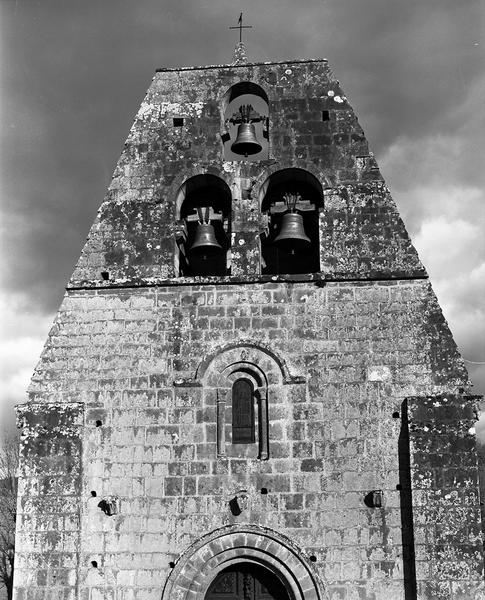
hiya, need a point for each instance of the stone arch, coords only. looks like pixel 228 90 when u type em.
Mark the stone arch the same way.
pixel 205 559
pixel 245 370
pixel 289 174
pixel 198 180
pixel 259 355
pixel 260 184
pixel 241 88
pixel 176 186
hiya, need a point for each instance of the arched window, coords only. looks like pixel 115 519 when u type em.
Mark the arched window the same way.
pixel 243 427
pixel 239 378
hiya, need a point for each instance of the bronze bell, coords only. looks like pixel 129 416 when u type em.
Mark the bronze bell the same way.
pixel 205 242
pixel 246 142
pixel 292 233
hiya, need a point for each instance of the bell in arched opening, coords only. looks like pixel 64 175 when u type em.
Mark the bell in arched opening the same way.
pixel 246 143
pixel 290 241
pixel 206 254
pixel 292 236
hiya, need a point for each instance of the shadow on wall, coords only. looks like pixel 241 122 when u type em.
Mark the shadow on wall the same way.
pixel 481 475
pixel 407 527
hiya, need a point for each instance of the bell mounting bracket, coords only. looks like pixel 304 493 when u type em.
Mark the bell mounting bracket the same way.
pixel 246 114
pixel 291 203
pixel 204 214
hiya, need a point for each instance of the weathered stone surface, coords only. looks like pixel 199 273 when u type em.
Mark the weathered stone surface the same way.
pixel 360 391
pixel 50 499
pixel 361 232
pixel 444 480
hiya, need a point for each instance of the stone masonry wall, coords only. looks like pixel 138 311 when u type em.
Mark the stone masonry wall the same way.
pixel 127 455
pixel 353 352
pixel 449 548
pixel 132 239
pixel 49 501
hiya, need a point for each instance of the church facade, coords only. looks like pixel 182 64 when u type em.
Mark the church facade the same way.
pixel 249 391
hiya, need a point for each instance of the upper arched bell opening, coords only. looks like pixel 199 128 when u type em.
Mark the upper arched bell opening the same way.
pixel 246 122
pixel 204 209
pixel 245 87
pixel 291 199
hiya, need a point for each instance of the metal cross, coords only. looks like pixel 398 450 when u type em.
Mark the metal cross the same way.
pixel 240 26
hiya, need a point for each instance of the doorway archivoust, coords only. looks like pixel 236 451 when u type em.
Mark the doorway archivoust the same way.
pixel 243 563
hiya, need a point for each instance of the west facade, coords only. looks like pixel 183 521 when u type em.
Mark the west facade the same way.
pixel 249 391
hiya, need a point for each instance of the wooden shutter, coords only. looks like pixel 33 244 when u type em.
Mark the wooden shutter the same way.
pixel 242 412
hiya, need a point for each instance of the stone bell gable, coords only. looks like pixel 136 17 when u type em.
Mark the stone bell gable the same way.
pixel 249 391
pixel 176 149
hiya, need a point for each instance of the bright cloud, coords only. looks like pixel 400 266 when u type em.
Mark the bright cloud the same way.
pixel 438 187
pixel 22 338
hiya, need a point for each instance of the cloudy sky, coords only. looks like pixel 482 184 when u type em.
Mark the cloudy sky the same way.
pixel 73 74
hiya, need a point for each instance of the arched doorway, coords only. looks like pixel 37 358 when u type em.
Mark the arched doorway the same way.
pixel 268 555
pixel 247 581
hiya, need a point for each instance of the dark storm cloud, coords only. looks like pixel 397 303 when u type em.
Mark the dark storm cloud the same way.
pixel 74 74
pixel 411 61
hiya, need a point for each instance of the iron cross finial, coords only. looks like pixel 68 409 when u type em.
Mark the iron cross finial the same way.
pixel 240 26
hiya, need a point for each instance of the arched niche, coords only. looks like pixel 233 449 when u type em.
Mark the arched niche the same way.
pixel 228 441
pixel 291 245
pixel 268 374
pixel 203 199
pixel 234 546
pixel 263 374
pixel 240 95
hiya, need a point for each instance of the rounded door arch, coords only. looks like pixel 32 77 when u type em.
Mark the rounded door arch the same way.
pixel 247 581
pixel 235 545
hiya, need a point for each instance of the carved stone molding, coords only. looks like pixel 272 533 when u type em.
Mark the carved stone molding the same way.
pixel 203 561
